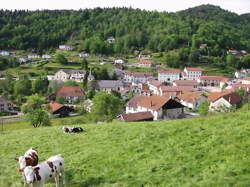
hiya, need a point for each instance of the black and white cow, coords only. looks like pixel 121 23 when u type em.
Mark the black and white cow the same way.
pixel 72 129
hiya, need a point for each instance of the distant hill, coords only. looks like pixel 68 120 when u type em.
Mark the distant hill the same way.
pixel 207 151
pixel 133 29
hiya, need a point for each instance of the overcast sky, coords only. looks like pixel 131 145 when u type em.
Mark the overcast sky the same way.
pixel 238 6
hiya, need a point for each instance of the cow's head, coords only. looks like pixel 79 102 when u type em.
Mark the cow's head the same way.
pixel 22 162
pixel 31 174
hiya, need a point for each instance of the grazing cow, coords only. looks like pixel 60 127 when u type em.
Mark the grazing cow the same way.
pixel 38 175
pixel 72 129
pixel 30 158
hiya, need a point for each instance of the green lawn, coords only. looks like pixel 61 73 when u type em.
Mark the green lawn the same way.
pixel 208 151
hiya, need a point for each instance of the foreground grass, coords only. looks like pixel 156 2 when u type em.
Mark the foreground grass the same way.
pixel 209 151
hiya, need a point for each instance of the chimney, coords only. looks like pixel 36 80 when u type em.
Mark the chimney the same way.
pixel 151 103
pixel 229 99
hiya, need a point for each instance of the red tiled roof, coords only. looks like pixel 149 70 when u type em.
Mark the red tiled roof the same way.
pixel 186 83
pixel 246 79
pixel 139 116
pixel 190 97
pixel 212 78
pixel 70 91
pixel 135 100
pixel 155 83
pixel 176 88
pixel 146 62
pixel 161 70
pixel 232 98
pixel 55 106
pixel 153 102
pixel 193 69
pixel 139 74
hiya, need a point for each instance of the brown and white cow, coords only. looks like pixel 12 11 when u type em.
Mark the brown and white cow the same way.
pixel 30 158
pixel 38 175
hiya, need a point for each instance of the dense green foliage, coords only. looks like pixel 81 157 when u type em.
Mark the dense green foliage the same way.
pixel 209 151
pixel 133 29
pixel 35 113
pixel 106 107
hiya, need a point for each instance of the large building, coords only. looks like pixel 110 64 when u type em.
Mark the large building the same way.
pixel 168 75
pixel 190 73
pixel 160 106
pixel 138 77
pixel 68 74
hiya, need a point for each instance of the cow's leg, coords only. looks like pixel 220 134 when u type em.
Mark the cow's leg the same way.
pixel 57 181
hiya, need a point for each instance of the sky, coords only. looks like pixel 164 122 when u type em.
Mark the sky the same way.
pixel 237 6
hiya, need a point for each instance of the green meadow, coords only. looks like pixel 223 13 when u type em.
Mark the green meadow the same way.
pixel 208 151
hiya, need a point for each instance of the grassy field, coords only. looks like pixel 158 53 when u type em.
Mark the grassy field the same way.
pixel 208 151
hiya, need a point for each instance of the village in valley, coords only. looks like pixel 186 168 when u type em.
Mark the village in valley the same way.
pixel 148 90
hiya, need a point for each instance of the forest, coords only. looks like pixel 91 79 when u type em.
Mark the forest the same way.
pixel 201 34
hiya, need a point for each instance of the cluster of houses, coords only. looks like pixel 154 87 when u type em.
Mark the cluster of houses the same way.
pixel 166 96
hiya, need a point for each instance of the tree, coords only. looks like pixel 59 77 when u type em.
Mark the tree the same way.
pixel 203 108
pixel 106 107
pixel 61 59
pixel 23 87
pixel 34 111
pixel 40 86
pixel 60 100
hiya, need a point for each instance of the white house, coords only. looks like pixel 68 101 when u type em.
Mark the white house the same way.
pixel 154 86
pixel 120 61
pixel 146 64
pixel 66 47
pixel 210 80
pixel 111 39
pixel 33 55
pixel 162 108
pixel 223 101
pixel 240 74
pixel 137 77
pixel 46 56
pixel 144 56
pixel 4 53
pixel 84 54
pixel 168 75
pixel 68 74
pixel 23 60
pixel 192 100
pixel 191 73
pixel 245 80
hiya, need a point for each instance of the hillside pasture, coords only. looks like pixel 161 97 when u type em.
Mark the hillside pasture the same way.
pixel 207 151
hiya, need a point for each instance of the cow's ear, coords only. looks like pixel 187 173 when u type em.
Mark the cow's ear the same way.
pixel 17 159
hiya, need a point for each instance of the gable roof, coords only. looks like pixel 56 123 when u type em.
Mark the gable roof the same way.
pixel 72 71
pixel 219 78
pixel 55 106
pixel 186 83
pixel 246 79
pixel 139 116
pixel 232 97
pixel 176 88
pixel 155 83
pixel 74 91
pixel 135 100
pixel 110 83
pixel 153 102
pixel 162 70
pixel 139 74
pixel 193 69
pixel 190 97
